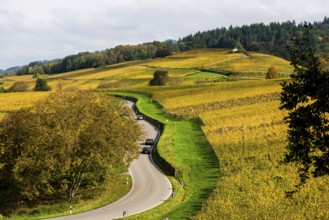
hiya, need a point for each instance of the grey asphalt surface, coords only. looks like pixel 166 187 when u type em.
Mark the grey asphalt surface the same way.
pixel 150 187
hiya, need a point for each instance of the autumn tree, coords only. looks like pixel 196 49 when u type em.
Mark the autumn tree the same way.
pixel 72 136
pixel 306 98
pixel 160 78
pixel 14 136
pixel 272 73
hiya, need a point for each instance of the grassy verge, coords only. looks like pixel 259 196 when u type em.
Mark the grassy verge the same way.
pixel 86 200
pixel 147 106
pixel 184 145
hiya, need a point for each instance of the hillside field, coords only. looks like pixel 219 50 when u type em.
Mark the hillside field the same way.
pixel 241 120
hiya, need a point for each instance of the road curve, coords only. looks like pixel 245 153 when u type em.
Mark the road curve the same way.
pixel 150 187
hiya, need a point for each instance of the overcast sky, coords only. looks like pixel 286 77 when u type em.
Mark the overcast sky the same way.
pixel 34 30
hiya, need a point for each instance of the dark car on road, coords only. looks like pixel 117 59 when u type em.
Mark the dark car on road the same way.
pixel 149 141
pixel 139 117
pixel 146 150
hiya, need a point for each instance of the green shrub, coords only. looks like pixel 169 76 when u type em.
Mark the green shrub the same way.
pixel 160 78
pixel 41 85
pixel 2 90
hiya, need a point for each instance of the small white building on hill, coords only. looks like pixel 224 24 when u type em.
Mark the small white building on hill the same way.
pixel 234 50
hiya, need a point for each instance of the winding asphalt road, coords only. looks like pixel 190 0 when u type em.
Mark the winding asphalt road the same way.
pixel 150 187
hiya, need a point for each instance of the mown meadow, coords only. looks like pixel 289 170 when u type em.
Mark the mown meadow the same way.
pixel 240 117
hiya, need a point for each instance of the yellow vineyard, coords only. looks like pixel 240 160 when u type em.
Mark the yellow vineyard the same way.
pixel 191 100
pixel 254 65
pixel 250 142
pixel 241 119
pixel 15 101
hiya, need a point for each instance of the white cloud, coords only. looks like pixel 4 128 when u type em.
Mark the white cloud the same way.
pixel 37 29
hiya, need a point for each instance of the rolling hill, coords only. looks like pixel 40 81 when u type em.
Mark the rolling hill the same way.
pixel 240 116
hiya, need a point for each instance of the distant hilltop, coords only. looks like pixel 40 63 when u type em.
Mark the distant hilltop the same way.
pixel 172 41
pixel 272 38
pixel 10 70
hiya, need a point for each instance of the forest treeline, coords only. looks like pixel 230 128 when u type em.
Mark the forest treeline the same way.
pixel 272 38
pixel 96 59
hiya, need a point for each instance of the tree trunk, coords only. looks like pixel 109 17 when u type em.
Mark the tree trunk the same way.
pixel 73 185
pixel 70 192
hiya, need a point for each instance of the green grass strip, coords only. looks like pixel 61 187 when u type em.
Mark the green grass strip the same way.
pixel 147 106
pixel 96 198
pixel 184 145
